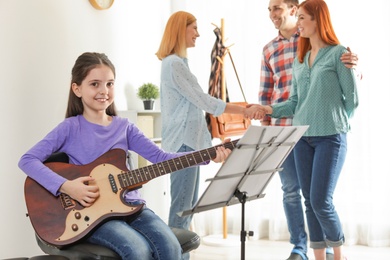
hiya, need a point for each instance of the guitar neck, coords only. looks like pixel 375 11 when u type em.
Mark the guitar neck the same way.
pixel 141 175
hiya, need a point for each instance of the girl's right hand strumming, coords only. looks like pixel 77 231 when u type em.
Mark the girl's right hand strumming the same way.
pixel 81 190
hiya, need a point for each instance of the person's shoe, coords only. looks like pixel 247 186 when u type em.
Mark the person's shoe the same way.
pixel 294 256
pixel 329 256
pixel 297 254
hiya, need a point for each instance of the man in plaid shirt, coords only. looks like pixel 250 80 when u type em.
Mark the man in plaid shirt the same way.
pixel 275 82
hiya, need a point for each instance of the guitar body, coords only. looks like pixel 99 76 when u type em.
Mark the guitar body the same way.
pixel 60 220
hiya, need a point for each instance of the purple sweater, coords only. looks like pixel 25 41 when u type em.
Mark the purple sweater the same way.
pixel 84 142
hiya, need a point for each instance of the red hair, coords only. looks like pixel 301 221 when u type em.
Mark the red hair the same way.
pixel 174 37
pixel 318 10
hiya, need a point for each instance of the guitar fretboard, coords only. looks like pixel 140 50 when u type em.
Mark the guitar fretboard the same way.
pixel 147 173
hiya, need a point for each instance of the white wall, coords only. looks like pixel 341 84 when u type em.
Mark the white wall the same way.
pixel 40 40
pixel 39 43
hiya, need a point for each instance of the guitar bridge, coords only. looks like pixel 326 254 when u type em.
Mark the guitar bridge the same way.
pixel 66 201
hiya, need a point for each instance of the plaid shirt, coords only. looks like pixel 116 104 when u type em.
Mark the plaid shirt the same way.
pixel 276 74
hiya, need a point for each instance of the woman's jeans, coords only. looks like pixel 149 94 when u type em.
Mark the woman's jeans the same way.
pixel 292 204
pixel 319 161
pixel 184 194
pixel 145 237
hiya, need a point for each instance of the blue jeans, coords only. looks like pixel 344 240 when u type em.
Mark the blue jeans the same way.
pixel 319 161
pixel 184 194
pixel 292 203
pixel 146 237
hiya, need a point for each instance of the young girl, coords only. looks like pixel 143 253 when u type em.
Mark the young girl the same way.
pixel 91 128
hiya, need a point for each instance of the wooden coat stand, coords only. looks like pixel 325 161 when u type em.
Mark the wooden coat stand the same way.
pixel 244 122
pixel 223 93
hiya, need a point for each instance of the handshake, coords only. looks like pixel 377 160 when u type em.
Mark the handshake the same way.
pixel 255 111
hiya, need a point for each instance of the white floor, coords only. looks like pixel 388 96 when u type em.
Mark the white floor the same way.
pixel 230 249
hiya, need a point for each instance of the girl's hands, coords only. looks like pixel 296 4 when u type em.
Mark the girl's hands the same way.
pixel 81 190
pixel 222 152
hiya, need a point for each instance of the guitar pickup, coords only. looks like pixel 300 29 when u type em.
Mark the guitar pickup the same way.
pixel 111 179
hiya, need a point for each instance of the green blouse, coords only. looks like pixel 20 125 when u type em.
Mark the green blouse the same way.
pixel 323 96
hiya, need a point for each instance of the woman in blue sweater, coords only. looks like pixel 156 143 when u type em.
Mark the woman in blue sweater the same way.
pixel 183 103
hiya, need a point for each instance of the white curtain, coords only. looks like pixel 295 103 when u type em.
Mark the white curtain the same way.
pixel 363 193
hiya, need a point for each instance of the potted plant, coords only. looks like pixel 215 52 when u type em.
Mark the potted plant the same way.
pixel 148 92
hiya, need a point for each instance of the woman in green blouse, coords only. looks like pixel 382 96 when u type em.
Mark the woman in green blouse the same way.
pixel 323 96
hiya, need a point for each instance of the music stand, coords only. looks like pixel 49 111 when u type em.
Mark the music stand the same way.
pixel 246 173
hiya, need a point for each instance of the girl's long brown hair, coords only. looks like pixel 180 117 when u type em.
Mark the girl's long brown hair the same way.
pixel 83 65
pixel 319 12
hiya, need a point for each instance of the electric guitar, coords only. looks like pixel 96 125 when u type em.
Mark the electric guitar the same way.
pixel 60 220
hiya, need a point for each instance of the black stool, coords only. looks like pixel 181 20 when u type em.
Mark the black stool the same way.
pixel 188 241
